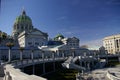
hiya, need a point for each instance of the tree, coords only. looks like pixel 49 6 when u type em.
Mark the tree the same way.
pixel 84 46
pixel 10 45
pixel 21 52
pixel 4 35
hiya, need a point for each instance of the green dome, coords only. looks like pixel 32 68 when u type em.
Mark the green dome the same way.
pixel 59 36
pixel 23 18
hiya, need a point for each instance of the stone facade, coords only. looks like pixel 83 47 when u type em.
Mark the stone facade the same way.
pixel 71 42
pixel 112 44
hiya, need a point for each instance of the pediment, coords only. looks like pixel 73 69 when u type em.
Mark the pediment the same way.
pixel 37 33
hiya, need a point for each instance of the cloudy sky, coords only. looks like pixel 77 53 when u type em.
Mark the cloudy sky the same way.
pixel 88 20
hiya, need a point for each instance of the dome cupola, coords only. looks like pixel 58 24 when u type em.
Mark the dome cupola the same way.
pixel 23 18
pixel 22 23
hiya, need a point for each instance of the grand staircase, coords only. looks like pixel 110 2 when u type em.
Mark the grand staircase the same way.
pixel 70 64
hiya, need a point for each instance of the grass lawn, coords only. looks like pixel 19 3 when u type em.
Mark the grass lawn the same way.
pixel 63 74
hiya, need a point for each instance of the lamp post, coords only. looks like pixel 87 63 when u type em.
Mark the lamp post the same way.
pixel 10 45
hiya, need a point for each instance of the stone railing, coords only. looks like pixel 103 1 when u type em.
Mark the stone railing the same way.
pixel 15 74
pixel 112 77
pixel 28 62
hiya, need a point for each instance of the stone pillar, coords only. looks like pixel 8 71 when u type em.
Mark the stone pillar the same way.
pixel 54 65
pixel 33 69
pixel 53 55
pixel 92 63
pixel 119 58
pixel 0 56
pixel 63 54
pixel 88 66
pixel 32 55
pixel 43 67
pixel 81 63
pixel 9 56
pixel 43 55
pixel 85 64
pixel 73 54
pixel 58 55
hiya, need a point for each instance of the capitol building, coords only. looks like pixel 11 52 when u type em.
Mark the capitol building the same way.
pixel 26 36
pixel 28 53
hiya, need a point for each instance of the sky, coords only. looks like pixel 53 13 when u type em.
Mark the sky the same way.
pixel 88 20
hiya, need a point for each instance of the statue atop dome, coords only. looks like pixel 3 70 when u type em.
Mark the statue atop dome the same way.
pixel 23 12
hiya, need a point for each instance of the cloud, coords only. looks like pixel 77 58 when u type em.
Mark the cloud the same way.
pixel 93 44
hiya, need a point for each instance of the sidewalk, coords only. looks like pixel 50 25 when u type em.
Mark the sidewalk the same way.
pixel 1 78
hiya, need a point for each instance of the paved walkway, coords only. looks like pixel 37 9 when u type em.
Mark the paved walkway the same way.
pixel 1 78
pixel 100 74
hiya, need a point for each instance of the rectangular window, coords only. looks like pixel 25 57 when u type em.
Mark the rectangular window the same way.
pixel 29 43
pixel 36 43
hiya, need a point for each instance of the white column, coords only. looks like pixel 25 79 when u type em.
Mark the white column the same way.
pixel 73 54
pixel 0 54
pixel 88 65
pixel 32 55
pixel 21 55
pixel 53 55
pixel 43 56
pixel 9 56
pixel 119 58
pixel 58 54
pixel 62 54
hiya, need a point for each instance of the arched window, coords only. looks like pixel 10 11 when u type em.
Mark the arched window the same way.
pixel 29 27
pixel 117 44
pixel 26 28
pixel 22 27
